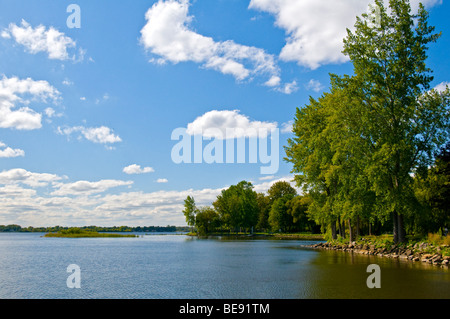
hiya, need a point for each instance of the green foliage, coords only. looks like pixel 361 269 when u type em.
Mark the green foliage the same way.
pixel 190 210
pixel 207 220
pixel 264 209
pixel 237 206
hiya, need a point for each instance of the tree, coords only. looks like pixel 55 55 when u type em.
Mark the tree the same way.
pixel 432 188
pixel 280 189
pixel 190 210
pixel 357 147
pixel 238 206
pixel 405 121
pixel 206 220
pixel 279 217
pixel 264 209
pixel 297 207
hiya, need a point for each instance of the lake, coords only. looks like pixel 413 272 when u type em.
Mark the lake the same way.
pixel 181 267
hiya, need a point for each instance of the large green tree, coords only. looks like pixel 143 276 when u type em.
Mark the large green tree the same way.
pixel 356 148
pixel 403 120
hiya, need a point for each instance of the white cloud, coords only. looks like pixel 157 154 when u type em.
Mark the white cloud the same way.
pixel 87 188
pixel 100 135
pixel 67 82
pixel 273 81
pixel 8 152
pixel 228 125
pixel 41 39
pixel 15 96
pixel 137 169
pixel 288 88
pixel 314 85
pixel 167 34
pixel 287 127
pixel 22 176
pixel 442 86
pixel 162 180
pixel 315 28
pixel 267 178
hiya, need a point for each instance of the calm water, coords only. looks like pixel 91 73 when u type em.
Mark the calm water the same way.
pixel 180 267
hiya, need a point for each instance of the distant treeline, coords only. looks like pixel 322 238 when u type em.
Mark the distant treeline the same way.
pixel 17 228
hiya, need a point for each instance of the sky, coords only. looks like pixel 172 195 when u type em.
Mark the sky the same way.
pixel 113 112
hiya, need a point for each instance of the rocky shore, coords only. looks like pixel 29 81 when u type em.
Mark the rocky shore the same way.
pixel 418 252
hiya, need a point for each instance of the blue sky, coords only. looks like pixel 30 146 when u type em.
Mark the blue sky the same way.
pixel 87 114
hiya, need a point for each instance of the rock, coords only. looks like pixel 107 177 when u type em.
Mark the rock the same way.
pixel 427 256
pixel 436 258
pixel 415 259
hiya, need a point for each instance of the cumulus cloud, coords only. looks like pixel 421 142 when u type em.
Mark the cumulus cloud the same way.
pixel 100 135
pixel 167 34
pixel 137 169
pixel 315 28
pixel 16 95
pixel 228 125
pixel 88 188
pixel 41 39
pixel 22 176
pixel 162 180
pixel 8 152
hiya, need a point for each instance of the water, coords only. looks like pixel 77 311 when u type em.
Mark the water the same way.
pixel 181 267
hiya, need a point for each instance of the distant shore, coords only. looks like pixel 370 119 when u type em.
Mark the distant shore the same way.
pixel 77 233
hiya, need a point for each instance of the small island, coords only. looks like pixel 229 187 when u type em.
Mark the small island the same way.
pixel 84 233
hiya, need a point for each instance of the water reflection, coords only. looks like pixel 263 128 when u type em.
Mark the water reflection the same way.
pixel 343 275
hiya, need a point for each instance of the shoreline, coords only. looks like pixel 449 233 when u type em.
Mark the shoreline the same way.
pixel 417 252
pixel 293 236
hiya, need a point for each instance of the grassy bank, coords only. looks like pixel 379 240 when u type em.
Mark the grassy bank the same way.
pixel 79 233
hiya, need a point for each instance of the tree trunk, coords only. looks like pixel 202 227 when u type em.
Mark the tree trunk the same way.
pixel 357 226
pixel 350 230
pixel 401 229
pixel 333 231
pixel 341 229
pixel 395 222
